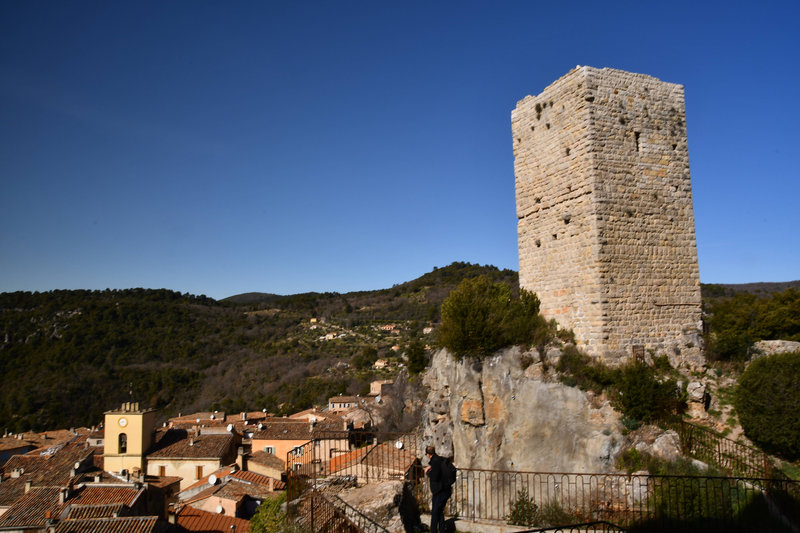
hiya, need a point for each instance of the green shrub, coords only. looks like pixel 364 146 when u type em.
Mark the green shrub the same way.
pixel 524 511
pixel 767 403
pixel 479 317
pixel 270 517
pixel 577 369
pixel 642 396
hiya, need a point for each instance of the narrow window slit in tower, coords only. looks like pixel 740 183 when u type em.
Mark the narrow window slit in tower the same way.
pixel 548 125
pixel 555 236
pixel 567 150
pixel 636 134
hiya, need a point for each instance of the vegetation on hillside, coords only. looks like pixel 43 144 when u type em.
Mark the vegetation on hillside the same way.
pixel 736 320
pixel 481 316
pixel 68 356
pixel 768 404
pixel 641 392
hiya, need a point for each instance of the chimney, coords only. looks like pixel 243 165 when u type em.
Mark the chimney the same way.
pixel 28 485
pixel 241 459
pixel 171 515
pixel 62 496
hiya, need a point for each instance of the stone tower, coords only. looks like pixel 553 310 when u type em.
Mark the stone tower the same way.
pixel 606 225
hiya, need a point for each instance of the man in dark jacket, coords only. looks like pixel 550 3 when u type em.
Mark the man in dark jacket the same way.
pixel 440 489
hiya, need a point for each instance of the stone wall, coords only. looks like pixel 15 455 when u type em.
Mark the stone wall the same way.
pixel 604 202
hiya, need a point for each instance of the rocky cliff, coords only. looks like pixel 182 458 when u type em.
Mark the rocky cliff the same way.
pixel 505 413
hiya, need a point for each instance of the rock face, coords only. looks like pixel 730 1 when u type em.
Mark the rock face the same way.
pixel 494 414
pixel 389 504
pixel 764 348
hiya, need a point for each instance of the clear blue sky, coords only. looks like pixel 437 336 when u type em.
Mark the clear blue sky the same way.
pixel 224 147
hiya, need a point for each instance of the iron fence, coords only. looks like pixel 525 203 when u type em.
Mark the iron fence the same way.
pixel 634 502
pixel 333 461
pixel 316 513
pixel 713 448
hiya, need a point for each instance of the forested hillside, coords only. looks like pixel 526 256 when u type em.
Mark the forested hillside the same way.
pixel 67 356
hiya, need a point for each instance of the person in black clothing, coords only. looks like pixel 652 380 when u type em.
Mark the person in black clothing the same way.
pixel 440 489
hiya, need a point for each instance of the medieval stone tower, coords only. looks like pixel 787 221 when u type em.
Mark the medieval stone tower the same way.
pixel 604 202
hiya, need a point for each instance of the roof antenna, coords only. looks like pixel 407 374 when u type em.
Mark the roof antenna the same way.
pixel 130 391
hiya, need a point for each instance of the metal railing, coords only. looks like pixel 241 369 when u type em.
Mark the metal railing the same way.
pixel 316 513
pixel 333 461
pixel 643 502
pixel 734 457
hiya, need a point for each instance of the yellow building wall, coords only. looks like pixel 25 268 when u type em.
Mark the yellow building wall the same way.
pixel 137 425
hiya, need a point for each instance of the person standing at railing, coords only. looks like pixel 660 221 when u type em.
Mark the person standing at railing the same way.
pixel 440 489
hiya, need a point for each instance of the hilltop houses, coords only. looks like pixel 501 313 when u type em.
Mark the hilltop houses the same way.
pixel 206 471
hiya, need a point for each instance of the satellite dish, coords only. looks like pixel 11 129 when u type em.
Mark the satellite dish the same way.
pixel 77 465
pixel 230 427
pixel 398 445
pixel 213 417
pixel 212 480
pixel 260 427
pixel 197 420
pixel 220 510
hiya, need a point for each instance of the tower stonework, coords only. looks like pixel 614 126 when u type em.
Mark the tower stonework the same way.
pixel 605 218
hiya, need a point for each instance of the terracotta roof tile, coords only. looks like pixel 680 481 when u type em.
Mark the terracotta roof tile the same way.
pixel 128 524
pixel 77 512
pixel 106 495
pixel 177 443
pixel 268 459
pixel 31 508
pixel 193 519
pixel 349 459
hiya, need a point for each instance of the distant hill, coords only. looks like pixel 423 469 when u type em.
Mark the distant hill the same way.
pixel 713 290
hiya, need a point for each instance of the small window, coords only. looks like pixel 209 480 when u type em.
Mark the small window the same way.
pixel 198 472
pixel 269 449
pixel 123 443
pixel 297 450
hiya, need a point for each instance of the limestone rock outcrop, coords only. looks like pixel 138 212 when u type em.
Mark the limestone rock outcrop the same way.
pixel 495 414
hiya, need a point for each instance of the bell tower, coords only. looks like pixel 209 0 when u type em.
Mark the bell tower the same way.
pixel 128 435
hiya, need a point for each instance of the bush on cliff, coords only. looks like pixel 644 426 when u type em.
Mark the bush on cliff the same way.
pixel 768 403
pixel 479 317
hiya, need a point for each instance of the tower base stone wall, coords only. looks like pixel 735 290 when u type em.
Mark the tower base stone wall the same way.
pixel 605 217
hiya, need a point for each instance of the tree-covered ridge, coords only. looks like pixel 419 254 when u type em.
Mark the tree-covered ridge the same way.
pixel 67 356
pixel 735 322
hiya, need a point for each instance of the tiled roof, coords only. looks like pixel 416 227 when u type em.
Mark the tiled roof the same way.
pixel 343 399
pixel 193 519
pixel 293 429
pixel 283 430
pixel 50 470
pixel 128 524
pixel 220 473
pixel 387 456
pixel 105 495
pixel 346 460
pixel 204 417
pixel 97 511
pixel 13 443
pixel 30 509
pixel 253 477
pixel 177 444
pixel 267 459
